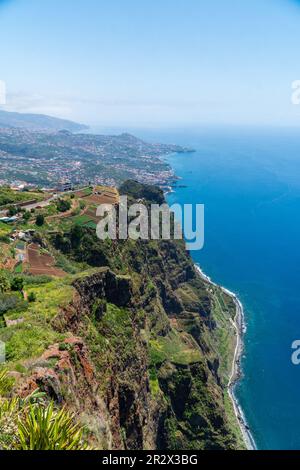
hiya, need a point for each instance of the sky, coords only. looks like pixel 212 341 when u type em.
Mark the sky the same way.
pixel 152 63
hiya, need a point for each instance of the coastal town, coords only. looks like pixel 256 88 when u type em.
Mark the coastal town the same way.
pixel 50 160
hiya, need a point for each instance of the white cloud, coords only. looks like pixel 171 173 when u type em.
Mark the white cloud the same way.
pixel 35 103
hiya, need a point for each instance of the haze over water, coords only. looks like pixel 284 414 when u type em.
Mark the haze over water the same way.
pixel 249 182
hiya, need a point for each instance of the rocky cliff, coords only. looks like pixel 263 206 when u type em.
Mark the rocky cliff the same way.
pixel 144 352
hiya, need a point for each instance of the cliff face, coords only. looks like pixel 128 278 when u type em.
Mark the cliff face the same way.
pixel 145 350
pixel 140 365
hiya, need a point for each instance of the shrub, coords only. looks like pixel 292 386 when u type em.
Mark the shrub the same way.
pixel 4 282
pixel 31 297
pixel 40 220
pixel 63 205
pixel 17 284
pixel 26 216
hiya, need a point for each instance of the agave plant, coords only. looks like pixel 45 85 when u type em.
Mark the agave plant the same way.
pixel 5 383
pixel 44 428
pixel 31 424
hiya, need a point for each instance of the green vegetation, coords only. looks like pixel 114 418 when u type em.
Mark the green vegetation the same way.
pixel 81 220
pixel 47 429
pixel 13 210
pixel 31 297
pixel 17 284
pixel 4 282
pixel 31 337
pixel 19 268
pixel 63 205
pixel 8 196
pixel 4 229
pixel 40 220
pixel 136 191
pixel 130 327
pixel 26 216
pixel 31 424
pixel 174 349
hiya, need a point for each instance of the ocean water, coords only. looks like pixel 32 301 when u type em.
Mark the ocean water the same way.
pixel 249 181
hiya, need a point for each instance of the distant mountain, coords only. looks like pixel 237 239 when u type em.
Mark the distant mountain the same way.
pixel 38 122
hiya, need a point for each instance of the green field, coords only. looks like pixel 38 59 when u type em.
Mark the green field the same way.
pixel 19 268
pixel 81 220
pixel 4 229
pixel 8 196
pixel 84 221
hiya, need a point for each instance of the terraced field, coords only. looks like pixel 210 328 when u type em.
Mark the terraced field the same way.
pixel 103 196
pixel 42 263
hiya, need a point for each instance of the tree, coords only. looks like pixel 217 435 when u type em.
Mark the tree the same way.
pixel 26 216
pixel 31 297
pixel 40 220
pixel 17 284
pixel 4 282
pixel 63 205
pixel 12 211
pixel 76 236
pixel 62 243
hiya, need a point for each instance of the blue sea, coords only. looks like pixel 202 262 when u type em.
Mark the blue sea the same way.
pixel 249 181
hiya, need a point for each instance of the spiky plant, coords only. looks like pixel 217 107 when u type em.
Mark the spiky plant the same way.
pixel 30 424
pixel 47 429
pixel 9 409
pixel 5 383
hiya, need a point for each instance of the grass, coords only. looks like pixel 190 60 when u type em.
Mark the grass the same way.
pixel 91 224
pixel 32 424
pixel 9 196
pixel 85 192
pixel 26 341
pixel 31 338
pixel 67 265
pixel 233 421
pixel 4 229
pixel 223 339
pixel 49 297
pixel 154 384
pixel 173 348
pixel 81 220
pixel 19 268
pixel 6 253
pixel 116 324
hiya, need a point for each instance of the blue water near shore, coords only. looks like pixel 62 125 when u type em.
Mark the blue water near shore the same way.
pixel 249 182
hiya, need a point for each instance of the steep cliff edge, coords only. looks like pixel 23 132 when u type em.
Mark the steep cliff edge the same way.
pixel 142 351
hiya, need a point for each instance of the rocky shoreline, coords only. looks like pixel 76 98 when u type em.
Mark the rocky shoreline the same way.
pixel 236 373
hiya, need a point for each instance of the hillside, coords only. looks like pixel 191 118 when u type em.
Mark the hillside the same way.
pixel 46 158
pixel 129 337
pixel 38 122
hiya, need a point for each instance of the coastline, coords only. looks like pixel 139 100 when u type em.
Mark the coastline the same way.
pixel 236 372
